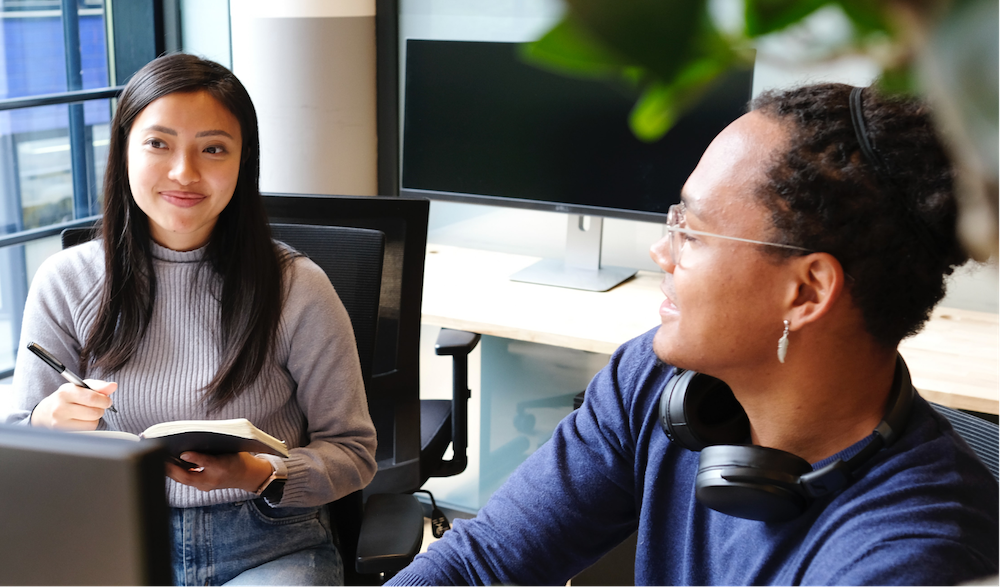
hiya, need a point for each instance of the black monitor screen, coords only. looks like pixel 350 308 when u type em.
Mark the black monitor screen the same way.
pixel 482 124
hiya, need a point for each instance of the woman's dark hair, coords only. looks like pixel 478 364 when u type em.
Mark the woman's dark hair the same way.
pixel 240 249
pixel 894 232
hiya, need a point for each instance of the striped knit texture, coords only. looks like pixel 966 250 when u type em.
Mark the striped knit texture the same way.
pixel 314 369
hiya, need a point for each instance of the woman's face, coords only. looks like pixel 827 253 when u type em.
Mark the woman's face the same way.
pixel 183 163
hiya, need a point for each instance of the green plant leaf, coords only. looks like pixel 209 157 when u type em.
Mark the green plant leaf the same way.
pixel 670 47
pixel 767 16
pixel 898 80
pixel 569 48
pixel 663 103
pixel 659 35
pixel 868 16
pixel 654 113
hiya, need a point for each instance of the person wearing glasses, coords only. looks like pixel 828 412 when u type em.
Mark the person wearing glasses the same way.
pixel 766 432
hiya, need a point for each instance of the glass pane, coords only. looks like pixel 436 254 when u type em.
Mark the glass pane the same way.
pixel 34 56
pixel 45 176
pixel 36 163
pixel 18 264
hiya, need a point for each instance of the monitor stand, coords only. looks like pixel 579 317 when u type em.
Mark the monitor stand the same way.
pixel 582 267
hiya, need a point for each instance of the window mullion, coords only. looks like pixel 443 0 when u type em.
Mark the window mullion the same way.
pixel 82 200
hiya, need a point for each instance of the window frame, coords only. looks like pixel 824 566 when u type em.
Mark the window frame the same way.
pixel 136 32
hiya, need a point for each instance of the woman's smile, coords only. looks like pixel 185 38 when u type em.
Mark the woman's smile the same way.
pixel 183 199
pixel 184 154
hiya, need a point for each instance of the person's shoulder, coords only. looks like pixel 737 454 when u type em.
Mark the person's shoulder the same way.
pixel 929 476
pixel 930 448
pixel 927 497
pixel 83 262
pixel 69 282
pixel 307 286
pixel 297 265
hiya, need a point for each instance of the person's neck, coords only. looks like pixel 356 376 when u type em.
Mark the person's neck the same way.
pixel 827 396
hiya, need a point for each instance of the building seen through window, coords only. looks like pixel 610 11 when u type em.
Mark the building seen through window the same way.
pixel 52 157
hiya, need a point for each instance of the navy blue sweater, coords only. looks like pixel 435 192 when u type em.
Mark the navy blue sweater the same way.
pixel 923 511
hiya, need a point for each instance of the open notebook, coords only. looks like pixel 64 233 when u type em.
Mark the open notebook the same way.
pixel 205 436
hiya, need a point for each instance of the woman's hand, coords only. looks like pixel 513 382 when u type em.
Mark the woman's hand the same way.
pixel 74 408
pixel 239 470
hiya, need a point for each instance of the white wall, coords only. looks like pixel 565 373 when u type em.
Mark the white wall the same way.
pixel 205 30
pixel 309 66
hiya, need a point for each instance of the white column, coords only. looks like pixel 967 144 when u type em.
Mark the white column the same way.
pixel 309 66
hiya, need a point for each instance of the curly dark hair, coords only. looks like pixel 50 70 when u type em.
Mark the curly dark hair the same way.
pixel 825 195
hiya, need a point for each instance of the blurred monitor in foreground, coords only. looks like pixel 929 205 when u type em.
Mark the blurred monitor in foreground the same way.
pixel 80 510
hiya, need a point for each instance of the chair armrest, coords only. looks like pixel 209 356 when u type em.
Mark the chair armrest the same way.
pixel 455 342
pixel 458 344
pixel 391 533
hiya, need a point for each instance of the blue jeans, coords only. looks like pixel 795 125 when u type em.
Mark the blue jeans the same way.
pixel 251 543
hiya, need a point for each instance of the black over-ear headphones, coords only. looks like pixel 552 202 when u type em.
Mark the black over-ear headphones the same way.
pixel 700 413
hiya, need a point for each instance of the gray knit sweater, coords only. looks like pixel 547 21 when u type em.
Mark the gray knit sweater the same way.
pixel 311 396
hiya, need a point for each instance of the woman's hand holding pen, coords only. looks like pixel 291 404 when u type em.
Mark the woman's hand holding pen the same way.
pixel 239 470
pixel 74 408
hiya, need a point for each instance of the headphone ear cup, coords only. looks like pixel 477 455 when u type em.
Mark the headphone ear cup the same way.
pixel 752 482
pixel 697 411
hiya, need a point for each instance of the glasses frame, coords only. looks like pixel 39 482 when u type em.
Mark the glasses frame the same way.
pixel 674 213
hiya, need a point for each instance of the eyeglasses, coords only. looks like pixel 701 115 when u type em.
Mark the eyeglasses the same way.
pixel 675 222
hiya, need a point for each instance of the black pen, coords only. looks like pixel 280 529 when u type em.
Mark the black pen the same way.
pixel 55 364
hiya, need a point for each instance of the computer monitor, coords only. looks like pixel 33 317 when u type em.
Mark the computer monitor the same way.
pixel 80 510
pixel 481 125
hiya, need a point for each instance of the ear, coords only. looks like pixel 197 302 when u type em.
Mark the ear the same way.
pixel 818 285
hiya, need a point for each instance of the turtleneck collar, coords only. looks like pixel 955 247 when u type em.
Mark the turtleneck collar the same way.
pixel 162 253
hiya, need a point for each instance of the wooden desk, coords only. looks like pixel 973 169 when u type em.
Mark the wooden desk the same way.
pixel 954 361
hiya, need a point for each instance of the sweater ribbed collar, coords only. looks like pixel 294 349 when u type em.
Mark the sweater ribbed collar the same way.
pixel 162 253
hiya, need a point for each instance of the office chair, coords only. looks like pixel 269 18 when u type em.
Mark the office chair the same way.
pixel 982 436
pixel 413 434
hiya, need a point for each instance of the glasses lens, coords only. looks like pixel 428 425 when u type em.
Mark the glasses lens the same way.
pixel 676 247
pixel 673 222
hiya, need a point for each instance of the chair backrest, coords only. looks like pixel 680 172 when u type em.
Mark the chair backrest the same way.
pixel 77 236
pixel 394 393
pixel 352 260
pixel 982 436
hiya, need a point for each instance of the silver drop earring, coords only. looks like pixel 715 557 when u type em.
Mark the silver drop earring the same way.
pixel 783 343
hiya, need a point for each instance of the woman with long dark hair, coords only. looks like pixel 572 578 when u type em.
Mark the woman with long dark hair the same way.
pixel 191 309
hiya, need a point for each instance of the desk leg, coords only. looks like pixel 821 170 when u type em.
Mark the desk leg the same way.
pixel 525 389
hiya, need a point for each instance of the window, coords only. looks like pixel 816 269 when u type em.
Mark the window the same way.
pixel 52 155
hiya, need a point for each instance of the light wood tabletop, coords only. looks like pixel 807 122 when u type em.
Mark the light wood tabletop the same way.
pixel 954 361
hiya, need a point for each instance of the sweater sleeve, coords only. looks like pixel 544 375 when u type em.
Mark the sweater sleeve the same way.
pixel 565 506
pixel 63 294
pixel 338 454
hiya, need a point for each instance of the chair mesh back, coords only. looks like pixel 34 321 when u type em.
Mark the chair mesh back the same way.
pixel 982 436
pixel 352 259
pixel 394 394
